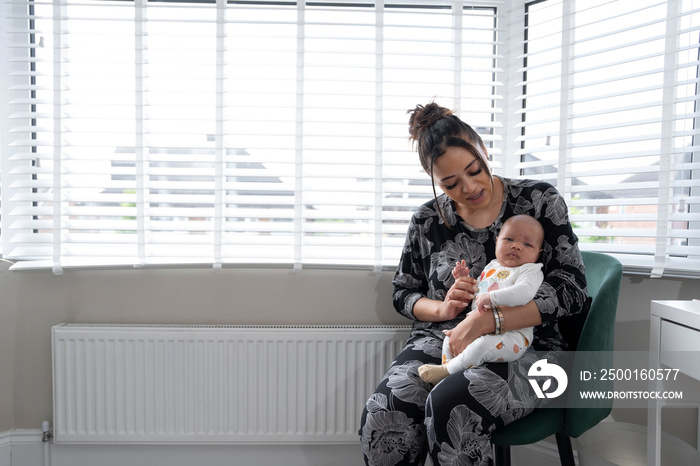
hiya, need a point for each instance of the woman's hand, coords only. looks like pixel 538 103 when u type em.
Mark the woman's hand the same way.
pixel 472 327
pixel 456 300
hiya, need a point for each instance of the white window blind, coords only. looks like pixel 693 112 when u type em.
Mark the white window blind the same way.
pixel 224 132
pixel 609 113
pixel 231 132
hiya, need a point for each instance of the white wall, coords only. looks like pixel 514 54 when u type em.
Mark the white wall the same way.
pixel 8 312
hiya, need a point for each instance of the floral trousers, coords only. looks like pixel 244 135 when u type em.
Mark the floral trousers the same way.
pixel 404 419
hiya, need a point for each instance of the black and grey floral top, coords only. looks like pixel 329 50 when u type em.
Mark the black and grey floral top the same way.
pixel 431 251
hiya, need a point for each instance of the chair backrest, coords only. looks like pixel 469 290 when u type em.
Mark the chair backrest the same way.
pixel 603 277
pixel 595 344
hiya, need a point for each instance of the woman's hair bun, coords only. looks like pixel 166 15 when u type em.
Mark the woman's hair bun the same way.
pixel 423 116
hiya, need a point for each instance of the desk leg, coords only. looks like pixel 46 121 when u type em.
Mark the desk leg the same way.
pixel 654 410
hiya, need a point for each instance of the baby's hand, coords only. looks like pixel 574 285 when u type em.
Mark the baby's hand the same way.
pixel 482 302
pixel 460 270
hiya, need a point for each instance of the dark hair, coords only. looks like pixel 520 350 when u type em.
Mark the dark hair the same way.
pixel 433 130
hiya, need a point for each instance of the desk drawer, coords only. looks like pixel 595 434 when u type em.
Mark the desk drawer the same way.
pixel 680 348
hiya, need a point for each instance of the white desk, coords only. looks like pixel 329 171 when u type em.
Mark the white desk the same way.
pixel 675 326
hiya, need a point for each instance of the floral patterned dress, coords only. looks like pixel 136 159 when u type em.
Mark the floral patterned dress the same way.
pixel 404 419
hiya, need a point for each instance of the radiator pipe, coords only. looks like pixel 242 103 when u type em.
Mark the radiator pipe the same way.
pixel 46 437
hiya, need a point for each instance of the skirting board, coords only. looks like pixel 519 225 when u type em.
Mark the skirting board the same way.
pixel 5 448
pixel 24 448
pixel 21 447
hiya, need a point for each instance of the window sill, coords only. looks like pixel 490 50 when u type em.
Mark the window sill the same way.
pixel 631 265
pixel 27 265
pixel 676 267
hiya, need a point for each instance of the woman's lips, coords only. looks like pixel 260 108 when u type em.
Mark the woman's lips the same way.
pixel 476 198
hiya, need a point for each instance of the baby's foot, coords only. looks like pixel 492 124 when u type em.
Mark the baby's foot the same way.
pixel 432 373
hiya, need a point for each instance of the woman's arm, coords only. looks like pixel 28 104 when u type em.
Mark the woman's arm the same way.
pixel 411 289
pixel 410 281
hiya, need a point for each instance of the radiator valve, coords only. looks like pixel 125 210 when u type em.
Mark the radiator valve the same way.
pixel 47 433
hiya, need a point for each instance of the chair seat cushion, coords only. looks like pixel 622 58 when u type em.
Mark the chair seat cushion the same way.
pixel 534 427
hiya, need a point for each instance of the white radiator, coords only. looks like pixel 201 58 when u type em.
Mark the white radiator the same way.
pixel 216 384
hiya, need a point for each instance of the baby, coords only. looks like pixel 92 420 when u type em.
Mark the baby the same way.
pixel 512 279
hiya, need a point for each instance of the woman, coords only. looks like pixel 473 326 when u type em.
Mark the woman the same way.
pixel 454 420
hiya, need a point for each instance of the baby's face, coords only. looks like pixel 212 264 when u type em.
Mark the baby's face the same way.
pixel 518 243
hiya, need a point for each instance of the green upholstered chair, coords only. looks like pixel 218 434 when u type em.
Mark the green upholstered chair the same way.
pixel 603 274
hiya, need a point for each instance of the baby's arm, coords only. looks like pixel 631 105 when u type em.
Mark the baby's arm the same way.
pixel 522 291
pixel 460 270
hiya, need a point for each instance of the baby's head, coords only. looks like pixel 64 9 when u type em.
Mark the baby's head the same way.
pixel 519 241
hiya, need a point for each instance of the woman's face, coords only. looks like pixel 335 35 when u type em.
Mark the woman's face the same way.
pixel 461 176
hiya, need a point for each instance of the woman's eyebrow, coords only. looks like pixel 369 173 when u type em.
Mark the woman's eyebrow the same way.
pixel 465 169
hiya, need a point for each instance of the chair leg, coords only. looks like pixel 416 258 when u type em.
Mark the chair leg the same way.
pixel 566 453
pixel 502 455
